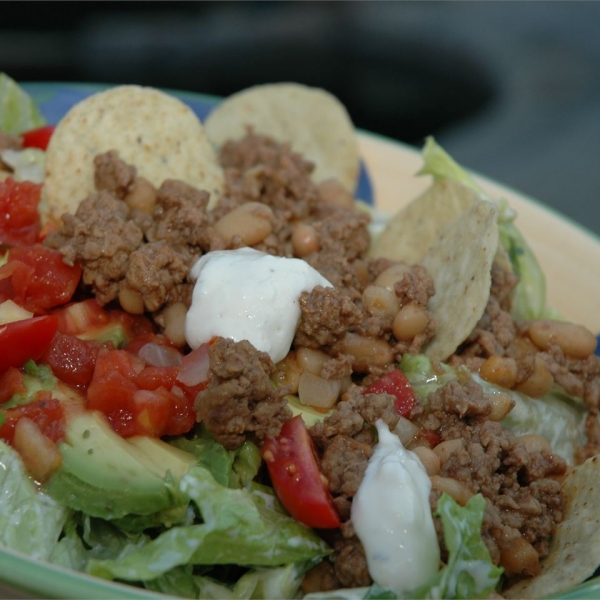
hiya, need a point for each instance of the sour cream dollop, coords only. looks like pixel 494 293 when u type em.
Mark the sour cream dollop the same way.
pixel 392 518
pixel 249 295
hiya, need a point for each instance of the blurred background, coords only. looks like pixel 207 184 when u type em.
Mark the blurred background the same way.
pixel 511 89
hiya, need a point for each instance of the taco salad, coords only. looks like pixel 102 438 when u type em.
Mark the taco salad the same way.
pixel 223 375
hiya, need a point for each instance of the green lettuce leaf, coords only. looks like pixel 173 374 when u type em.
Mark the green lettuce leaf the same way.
pixel 529 300
pixel 276 582
pixel 27 164
pixel 239 527
pixel 556 416
pixel 234 468
pixel 18 112
pixel 469 572
pixel 30 521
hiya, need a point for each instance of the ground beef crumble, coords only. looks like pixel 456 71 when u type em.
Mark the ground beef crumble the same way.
pixel 240 399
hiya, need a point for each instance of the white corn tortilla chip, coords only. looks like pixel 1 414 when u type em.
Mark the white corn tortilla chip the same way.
pixel 460 263
pixel 575 548
pixel 411 231
pixel 312 121
pixel 157 133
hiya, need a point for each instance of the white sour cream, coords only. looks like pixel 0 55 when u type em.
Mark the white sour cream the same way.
pixel 249 295
pixel 392 518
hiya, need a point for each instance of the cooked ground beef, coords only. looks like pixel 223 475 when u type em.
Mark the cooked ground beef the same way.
pixel 113 175
pixel 518 482
pixel 100 237
pixel 240 399
pixel 326 315
pixel 259 169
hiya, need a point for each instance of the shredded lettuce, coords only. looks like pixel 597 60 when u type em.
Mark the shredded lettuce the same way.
pixel 238 527
pixel 18 111
pixel 234 469
pixel 529 300
pixel 30 521
pixel 469 572
pixel 27 164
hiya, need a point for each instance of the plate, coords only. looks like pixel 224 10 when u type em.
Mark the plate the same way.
pixel 568 253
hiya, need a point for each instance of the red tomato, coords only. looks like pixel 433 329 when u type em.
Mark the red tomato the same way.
pixel 38 138
pixel 11 383
pixel 46 412
pixel 37 278
pixel 292 462
pixel 88 318
pixel 72 360
pixel 427 437
pixel 20 223
pixel 139 399
pixel 25 340
pixel 396 384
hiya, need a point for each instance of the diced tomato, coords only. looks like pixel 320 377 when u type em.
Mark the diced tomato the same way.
pixel 25 340
pixel 37 278
pixel 11 383
pixel 164 408
pixel 148 337
pixel 395 383
pixel 20 223
pixel 72 360
pixel 427 437
pixel 292 462
pixel 38 138
pixel 153 409
pixel 151 378
pixel 80 317
pixel 46 412
pixel 87 319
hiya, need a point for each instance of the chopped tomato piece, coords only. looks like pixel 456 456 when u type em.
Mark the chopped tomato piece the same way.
pixel 25 340
pixel 72 360
pixel 37 278
pixel 427 437
pixel 11 383
pixel 46 412
pixel 88 319
pixel 38 138
pixel 293 466
pixel 20 223
pixel 395 383
pixel 139 399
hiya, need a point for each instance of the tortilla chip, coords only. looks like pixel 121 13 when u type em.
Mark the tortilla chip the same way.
pixel 155 132
pixel 312 121
pixel 575 549
pixel 411 231
pixel 460 263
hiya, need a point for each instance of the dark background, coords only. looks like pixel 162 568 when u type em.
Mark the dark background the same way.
pixel 511 89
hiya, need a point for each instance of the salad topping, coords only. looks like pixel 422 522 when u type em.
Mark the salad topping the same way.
pixel 401 415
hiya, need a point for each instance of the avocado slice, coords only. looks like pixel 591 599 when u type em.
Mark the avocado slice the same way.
pixel 162 458
pixel 310 414
pixel 104 475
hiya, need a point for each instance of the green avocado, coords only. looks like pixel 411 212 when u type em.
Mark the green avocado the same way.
pixel 310 415
pixel 104 475
pixel 111 332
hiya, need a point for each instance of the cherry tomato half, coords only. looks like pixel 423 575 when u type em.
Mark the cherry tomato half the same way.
pixel 291 459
